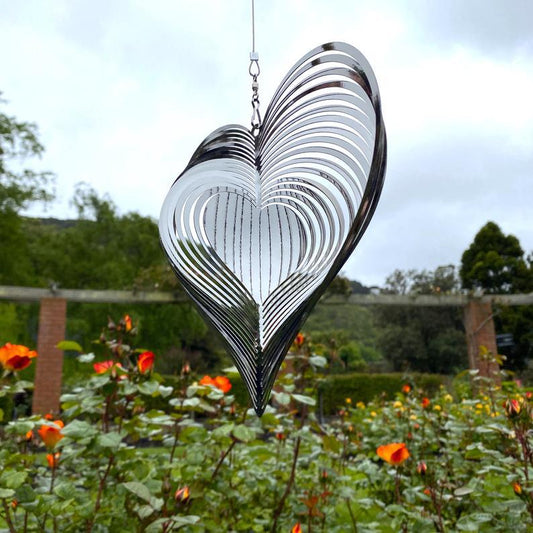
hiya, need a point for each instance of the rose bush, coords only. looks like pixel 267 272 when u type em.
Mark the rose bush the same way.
pixel 130 453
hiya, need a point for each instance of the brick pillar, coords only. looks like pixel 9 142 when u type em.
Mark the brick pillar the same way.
pixel 480 332
pixel 48 373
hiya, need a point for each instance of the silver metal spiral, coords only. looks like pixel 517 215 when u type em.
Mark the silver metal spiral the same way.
pixel 257 226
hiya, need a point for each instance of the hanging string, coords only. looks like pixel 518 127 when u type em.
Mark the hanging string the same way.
pixel 254 71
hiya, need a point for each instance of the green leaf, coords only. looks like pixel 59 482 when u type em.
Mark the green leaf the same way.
pixel 25 494
pixel 11 479
pixel 307 400
pixel 69 346
pixel 243 433
pixel 86 358
pixel 282 397
pixel 463 491
pixel 318 361
pixel 139 490
pixel 331 444
pixel 6 493
pixel 78 429
pixel 149 388
pixel 109 440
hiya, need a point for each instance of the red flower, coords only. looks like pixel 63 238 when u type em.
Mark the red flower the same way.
pixel 297 528
pixel 29 435
pixel 280 436
pixel 51 435
pixel 406 389
pixel 425 402
pixel 145 362
pixel 53 459
pixel 15 357
pixel 395 453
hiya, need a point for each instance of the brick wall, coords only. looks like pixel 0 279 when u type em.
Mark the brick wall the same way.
pixel 48 374
pixel 480 331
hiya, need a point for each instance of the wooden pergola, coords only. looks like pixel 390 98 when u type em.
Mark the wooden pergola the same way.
pixel 477 312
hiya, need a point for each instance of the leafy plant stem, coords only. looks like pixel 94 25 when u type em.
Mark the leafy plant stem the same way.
pixel 279 508
pixel 222 457
pixel 101 487
pixel 352 516
pixel 8 516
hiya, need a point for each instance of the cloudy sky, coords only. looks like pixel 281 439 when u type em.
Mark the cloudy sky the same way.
pixel 124 91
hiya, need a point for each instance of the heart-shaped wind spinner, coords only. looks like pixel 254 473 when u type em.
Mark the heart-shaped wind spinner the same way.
pixel 258 225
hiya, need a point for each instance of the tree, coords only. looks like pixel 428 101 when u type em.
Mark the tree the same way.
pixel 424 339
pixel 496 263
pixel 18 189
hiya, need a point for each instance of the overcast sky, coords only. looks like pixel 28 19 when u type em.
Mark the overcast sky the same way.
pixel 124 91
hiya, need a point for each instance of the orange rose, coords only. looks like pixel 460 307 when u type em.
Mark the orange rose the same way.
pixel 145 362
pixel 127 323
pixel 51 435
pixel 297 528
pixel 104 366
pixel 425 402
pixel 395 453
pixel 14 357
pixel 53 459
pixel 207 380
pixel 406 389
pixel 222 383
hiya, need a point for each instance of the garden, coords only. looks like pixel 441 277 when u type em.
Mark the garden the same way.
pixel 132 450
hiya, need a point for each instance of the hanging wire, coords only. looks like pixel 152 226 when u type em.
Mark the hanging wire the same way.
pixel 254 72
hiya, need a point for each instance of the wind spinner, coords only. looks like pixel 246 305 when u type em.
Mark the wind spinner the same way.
pixel 262 219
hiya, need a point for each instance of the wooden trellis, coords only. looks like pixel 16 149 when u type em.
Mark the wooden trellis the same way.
pixel 477 310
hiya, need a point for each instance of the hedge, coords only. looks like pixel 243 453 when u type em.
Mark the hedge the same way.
pixel 334 390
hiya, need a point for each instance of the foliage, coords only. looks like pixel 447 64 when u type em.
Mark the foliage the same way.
pixel 496 263
pixel 203 463
pixel 422 339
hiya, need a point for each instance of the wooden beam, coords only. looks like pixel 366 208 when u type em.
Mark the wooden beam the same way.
pixel 32 294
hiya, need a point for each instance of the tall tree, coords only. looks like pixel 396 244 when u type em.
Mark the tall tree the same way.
pixel 19 188
pixel 496 263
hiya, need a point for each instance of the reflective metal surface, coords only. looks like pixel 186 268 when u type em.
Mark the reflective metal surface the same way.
pixel 257 226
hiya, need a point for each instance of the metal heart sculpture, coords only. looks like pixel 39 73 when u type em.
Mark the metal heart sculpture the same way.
pixel 257 226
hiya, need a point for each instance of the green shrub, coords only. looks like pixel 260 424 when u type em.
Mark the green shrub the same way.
pixel 334 390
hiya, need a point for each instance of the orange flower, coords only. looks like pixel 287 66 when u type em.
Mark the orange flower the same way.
pixel 127 323
pixel 425 402
pixel 222 383
pixel 280 436
pixel 395 453
pixel 182 495
pixel 29 435
pixel 297 528
pixel 299 340
pixel 517 488
pixel 49 416
pixel 145 362
pixel 406 389
pixel 14 357
pixel 104 366
pixel 53 459
pixel 51 435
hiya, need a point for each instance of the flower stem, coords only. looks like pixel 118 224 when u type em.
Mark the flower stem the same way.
pixel 222 457
pixel 8 516
pixel 279 508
